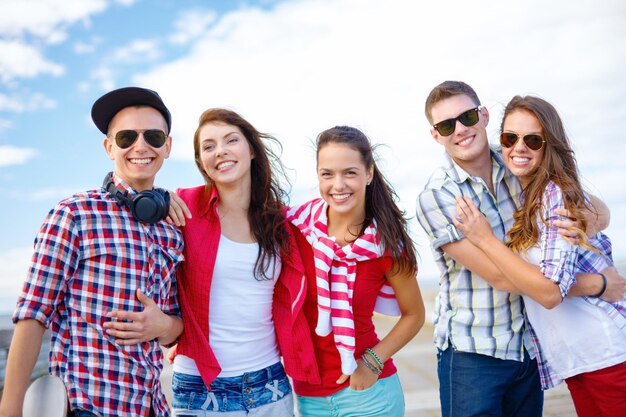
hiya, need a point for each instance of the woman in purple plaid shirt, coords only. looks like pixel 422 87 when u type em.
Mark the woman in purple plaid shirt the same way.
pixel 581 340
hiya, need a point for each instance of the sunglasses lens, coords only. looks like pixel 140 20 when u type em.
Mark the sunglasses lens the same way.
pixel 446 128
pixel 508 139
pixel 154 137
pixel 469 118
pixel 125 138
pixel 534 142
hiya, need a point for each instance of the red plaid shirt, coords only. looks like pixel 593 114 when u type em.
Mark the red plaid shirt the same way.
pixel 202 234
pixel 90 257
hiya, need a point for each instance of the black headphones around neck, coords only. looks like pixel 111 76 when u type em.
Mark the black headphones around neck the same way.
pixel 150 206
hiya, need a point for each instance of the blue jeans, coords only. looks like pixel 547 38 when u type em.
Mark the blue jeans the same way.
pixel 383 399
pixel 471 384
pixel 266 392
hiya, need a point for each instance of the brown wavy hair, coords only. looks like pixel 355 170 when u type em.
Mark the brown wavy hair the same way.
pixel 380 200
pixel 267 197
pixel 558 165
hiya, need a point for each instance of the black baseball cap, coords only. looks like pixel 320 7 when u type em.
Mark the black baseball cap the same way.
pixel 107 106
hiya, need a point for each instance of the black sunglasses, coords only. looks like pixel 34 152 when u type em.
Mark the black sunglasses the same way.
pixel 534 142
pixel 467 118
pixel 154 137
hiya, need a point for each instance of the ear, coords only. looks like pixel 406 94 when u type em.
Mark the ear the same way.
pixel 168 147
pixel 252 155
pixel 436 135
pixel 108 148
pixel 485 115
pixel 370 175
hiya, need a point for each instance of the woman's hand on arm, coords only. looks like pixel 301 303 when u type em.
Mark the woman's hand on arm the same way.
pixel 178 210
pixel 524 275
pixel 171 354
pixel 151 323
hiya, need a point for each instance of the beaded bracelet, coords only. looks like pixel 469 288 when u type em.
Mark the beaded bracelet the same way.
pixel 374 356
pixel 370 366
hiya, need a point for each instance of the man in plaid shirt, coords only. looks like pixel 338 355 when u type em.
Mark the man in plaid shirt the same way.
pixel 98 253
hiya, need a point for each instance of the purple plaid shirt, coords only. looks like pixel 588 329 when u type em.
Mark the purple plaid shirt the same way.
pixel 90 257
pixel 561 267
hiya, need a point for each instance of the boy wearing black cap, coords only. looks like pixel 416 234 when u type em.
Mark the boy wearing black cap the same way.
pixel 97 254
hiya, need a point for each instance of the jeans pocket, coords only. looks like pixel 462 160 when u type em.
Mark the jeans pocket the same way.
pixel 362 391
pixel 189 392
pixel 274 390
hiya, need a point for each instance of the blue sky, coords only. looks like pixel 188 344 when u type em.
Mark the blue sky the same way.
pixel 294 68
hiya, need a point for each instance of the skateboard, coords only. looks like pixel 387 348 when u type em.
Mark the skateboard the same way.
pixel 46 397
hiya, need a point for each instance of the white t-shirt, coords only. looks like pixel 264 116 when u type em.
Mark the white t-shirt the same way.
pixel 575 336
pixel 241 328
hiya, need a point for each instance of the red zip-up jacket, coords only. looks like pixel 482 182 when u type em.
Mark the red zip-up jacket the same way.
pixel 202 235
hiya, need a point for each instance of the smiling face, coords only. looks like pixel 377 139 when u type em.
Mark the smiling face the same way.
pixel 138 164
pixel 343 178
pixel 522 161
pixel 467 145
pixel 225 154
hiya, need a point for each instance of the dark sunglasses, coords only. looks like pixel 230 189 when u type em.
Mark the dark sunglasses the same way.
pixel 153 137
pixel 534 142
pixel 467 118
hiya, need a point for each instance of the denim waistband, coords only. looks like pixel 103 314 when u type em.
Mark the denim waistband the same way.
pixel 243 392
pixel 232 383
pixel 259 377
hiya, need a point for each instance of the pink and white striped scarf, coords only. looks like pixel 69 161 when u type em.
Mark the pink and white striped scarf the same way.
pixel 335 272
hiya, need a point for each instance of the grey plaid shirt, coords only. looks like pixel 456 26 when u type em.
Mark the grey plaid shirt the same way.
pixel 469 313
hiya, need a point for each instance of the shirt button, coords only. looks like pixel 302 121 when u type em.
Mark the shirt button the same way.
pixel 246 379
pixel 250 402
pixel 248 390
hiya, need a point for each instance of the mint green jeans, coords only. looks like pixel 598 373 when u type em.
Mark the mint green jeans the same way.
pixel 383 399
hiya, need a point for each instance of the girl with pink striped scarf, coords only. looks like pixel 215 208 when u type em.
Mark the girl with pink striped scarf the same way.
pixel 358 258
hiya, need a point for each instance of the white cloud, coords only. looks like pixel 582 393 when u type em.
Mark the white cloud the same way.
pixel 368 63
pixel 20 60
pixel 104 78
pixel 45 19
pixel 300 66
pixel 27 27
pixel 46 194
pixel 82 48
pixel 19 103
pixel 5 124
pixel 137 51
pixel 191 24
pixel 12 155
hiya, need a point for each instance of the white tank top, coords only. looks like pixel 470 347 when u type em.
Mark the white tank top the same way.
pixel 241 328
